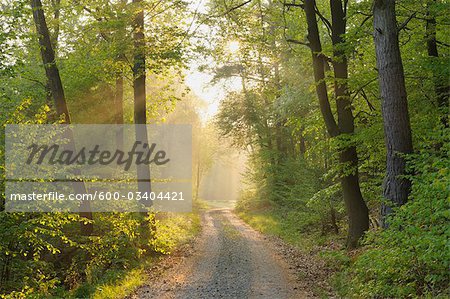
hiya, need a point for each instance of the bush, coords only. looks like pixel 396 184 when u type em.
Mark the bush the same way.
pixel 411 258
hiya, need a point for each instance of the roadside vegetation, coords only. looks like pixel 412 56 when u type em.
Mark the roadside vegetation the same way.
pixel 343 113
pixel 342 108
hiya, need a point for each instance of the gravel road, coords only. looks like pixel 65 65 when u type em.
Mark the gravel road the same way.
pixel 228 260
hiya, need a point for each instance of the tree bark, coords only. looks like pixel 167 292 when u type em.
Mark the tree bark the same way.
pixel 397 129
pixel 319 68
pixel 356 207
pixel 358 214
pixel 48 58
pixel 57 92
pixel 140 109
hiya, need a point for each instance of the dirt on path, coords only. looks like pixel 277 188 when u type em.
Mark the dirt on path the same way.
pixel 228 260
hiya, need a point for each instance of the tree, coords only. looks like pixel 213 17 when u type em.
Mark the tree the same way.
pixel 357 211
pixel 397 128
pixel 140 108
pixel 57 91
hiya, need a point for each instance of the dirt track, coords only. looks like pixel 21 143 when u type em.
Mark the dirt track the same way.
pixel 229 260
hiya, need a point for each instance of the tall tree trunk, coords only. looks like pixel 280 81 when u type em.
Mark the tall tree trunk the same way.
pixel 140 109
pixel 48 58
pixel 197 183
pixel 441 83
pixel 118 105
pixel 397 129
pixel 319 68
pixel 54 36
pixel 358 215
pixel 57 91
pixel 302 148
pixel 359 221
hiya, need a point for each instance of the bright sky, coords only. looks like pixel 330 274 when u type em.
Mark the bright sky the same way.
pixel 200 82
pixel 200 85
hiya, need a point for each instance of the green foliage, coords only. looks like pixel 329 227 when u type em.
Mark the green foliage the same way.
pixel 411 258
pixel 174 230
pixel 290 225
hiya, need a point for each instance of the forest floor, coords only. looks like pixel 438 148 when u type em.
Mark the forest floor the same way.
pixel 229 259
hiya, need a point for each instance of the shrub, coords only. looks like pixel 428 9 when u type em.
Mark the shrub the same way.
pixel 411 258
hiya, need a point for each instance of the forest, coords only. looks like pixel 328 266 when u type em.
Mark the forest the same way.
pixel 340 108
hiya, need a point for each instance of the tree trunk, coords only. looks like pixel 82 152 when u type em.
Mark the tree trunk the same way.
pixel 319 68
pixel 48 58
pixel 118 115
pixel 358 214
pixel 57 92
pixel 140 109
pixel 54 36
pixel 197 183
pixel 394 107
pixel 441 85
pixel 302 148
pixel 356 207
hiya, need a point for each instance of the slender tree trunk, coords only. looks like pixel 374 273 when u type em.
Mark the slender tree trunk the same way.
pixel 48 58
pixel 356 207
pixel 333 219
pixel 319 68
pixel 140 109
pixel 118 104
pixel 54 36
pixel 57 91
pixel 358 215
pixel 441 83
pixel 397 129
pixel 197 183
pixel 302 148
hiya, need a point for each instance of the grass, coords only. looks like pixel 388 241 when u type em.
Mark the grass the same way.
pixel 281 223
pixel 220 204
pixel 173 230
pixel 125 286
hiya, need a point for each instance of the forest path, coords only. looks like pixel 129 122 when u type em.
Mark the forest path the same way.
pixel 229 260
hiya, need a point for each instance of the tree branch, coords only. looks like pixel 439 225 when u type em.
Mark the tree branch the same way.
pixel 365 20
pixel 324 20
pixel 293 5
pixel 297 42
pixel 442 44
pixel 237 7
pixel 403 25
pixel 363 86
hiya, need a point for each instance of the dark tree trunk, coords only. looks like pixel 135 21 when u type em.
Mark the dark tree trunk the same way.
pixel 140 115
pixel 118 115
pixel 302 141
pixel 397 129
pixel 140 109
pixel 57 92
pixel 319 68
pixel 356 207
pixel 333 220
pixel 358 215
pixel 54 36
pixel 441 83
pixel 48 58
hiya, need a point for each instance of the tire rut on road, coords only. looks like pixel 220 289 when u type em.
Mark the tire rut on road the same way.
pixel 230 260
